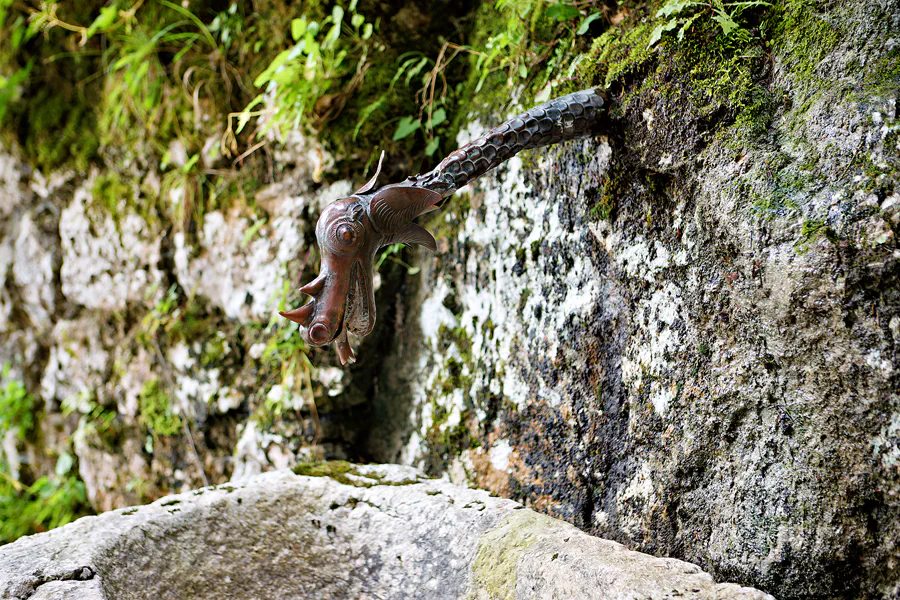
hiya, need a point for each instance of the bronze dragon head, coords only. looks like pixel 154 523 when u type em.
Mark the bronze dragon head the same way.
pixel 349 233
pixel 351 230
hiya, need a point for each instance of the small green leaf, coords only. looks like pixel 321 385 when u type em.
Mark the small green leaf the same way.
pixel 266 75
pixel 64 464
pixel 416 69
pixel 298 28
pixel 333 34
pixel 725 22
pixel 251 231
pixel 18 35
pixel 192 161
pixel 107 17
pixel 674 7
pixel 438 117
pixel 523 71
pixel 353 4
pixel 661 29
pixel 687 25
pixel 586 23
pixel 367 31
pixel 432 146
pixel 357 21
pixel 337 14
pixel 406 127
pixel 562 12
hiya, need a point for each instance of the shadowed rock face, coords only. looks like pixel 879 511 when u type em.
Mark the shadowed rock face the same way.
pixel 369 532
pixel 679 340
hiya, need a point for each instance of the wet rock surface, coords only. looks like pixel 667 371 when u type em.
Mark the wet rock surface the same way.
pixel 679 341
pixel 364 532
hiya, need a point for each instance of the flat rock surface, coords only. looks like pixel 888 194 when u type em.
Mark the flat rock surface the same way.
pixel 364 532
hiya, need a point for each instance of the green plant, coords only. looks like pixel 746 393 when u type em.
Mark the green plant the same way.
pixel 11 88
pixel 392 253
pixel 682 14
pixel 16 406
pixel 97 419
pixel 310 81
pixel 49 502
pixel 154 407
pixel 162 318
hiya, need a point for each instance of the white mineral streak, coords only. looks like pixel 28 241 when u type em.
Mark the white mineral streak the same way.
pixel 33 272
pixel 257 451
pixel 6 261
pixel 11 194
pixel 77 365
pixel 107 264
pixel 886 446
pixel 499 455
pixel 10 447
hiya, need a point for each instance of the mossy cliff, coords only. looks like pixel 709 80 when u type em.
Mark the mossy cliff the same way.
pixel 681 335
pixel 684 336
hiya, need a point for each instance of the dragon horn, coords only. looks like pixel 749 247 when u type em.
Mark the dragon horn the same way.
pixel 315 286
pixel 300 315
pixel 372 182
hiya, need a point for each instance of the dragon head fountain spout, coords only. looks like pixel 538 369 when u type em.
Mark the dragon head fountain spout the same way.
pixel 351 230
pixel 349 233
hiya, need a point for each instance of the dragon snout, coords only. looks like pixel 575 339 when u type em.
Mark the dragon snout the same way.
pixel 319 334
pixel 316 333
pixel 315 328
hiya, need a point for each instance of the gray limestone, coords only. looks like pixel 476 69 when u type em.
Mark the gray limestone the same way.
pixel 370 532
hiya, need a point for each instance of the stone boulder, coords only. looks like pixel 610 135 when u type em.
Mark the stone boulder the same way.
pixel 339 531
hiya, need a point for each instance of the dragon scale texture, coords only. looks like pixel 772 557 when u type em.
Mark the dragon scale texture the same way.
pixel 565 118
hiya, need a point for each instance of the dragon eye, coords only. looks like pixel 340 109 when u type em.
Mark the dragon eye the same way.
pixel 345 234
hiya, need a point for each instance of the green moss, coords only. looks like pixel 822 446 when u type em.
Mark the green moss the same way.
pixel 811 228
pixel 339 471
pixel 706 75
pixel 155 410
pixel 110 192
pixel 495 569
pixel 214 349
pixel 458 438
pixel 58 131
pixel 883 75
pixel 523 299
pixel 336 469
pixel 803 37
pixel 487 329
pixel 619 53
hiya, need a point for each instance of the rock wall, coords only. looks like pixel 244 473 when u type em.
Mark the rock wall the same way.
pixel 679 340
pixel 153 352
pixel 682 335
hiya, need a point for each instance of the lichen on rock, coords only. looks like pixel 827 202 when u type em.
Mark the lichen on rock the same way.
pixel 679 337
pixel 337 531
